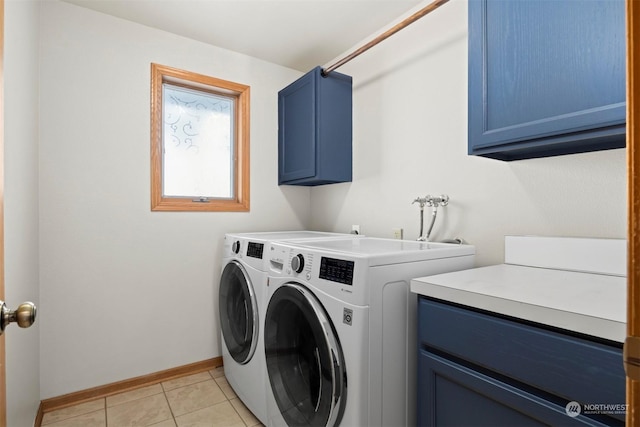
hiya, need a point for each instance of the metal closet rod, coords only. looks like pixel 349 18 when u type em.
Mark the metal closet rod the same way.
pixel 410 20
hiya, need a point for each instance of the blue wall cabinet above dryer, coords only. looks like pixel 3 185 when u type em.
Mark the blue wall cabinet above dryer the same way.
pixel 314 130
pixel 546 77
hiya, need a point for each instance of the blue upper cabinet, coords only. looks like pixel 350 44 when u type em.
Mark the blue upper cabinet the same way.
pixel 314 130
pixel 546 77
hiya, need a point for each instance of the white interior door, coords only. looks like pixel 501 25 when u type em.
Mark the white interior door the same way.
pixel 3 391
pixel 19 360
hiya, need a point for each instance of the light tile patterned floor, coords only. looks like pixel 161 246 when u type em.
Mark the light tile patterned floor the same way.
pixel 204 399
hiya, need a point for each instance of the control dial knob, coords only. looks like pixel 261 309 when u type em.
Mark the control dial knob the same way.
pixel 235 247
pixel 297 263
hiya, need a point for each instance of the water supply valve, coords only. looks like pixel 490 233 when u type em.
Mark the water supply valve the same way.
pixel 432 202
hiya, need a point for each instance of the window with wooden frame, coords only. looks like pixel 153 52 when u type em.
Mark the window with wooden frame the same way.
pixel 199 142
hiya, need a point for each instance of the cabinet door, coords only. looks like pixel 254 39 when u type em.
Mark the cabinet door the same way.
pixel 546 77
pixel 297 127
pixel 555 363
pixel 450 394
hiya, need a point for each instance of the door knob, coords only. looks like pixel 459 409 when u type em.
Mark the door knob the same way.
pixel 24 315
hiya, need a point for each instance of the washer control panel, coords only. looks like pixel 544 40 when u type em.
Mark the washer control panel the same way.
pixel 336 270
pixel 332 269
pixel 335 273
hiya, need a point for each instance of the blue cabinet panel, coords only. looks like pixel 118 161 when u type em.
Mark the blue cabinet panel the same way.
pixel 569 367
pixel 314 130
pixel 490 360
pixel 450 394
pixel 298 123
pixel 546 77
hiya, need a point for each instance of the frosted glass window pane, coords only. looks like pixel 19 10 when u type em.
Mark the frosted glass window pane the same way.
pixel 197 143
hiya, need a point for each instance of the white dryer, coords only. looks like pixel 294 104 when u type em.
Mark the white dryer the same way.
pixel 242 304
pixel 340 329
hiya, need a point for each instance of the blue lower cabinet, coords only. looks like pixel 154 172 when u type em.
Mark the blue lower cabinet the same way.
pixel 315 130
pixel 454 395
pixel 477 369
pixel 546 77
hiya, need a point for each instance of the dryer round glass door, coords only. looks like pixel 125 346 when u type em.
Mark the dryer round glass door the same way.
pixel 238 312
pixel 304 359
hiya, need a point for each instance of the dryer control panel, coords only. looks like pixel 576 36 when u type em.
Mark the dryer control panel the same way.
pixel 255 249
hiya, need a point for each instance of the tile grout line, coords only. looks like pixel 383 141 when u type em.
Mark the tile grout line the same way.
pixel 227 399
pixel 215 381
pixel 71 417
pixel 65 420
pixel 186 385
pixel 164 392
pixel 175 421
pixel 132 400
pixel 234 408
pixel 173 417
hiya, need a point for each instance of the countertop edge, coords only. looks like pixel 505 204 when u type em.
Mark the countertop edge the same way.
pixel 589 325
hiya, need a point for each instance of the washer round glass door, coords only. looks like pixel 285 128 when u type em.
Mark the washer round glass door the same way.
pixel 304 359
pixel 238 312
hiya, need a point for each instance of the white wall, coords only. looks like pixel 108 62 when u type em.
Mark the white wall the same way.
pixel 126 291
pixel 21 206
pixel 410 139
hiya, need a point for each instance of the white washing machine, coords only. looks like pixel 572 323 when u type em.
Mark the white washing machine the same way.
pixel 340 329
pixel 242 304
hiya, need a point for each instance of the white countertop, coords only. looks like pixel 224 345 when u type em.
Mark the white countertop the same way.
pixel 592 304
